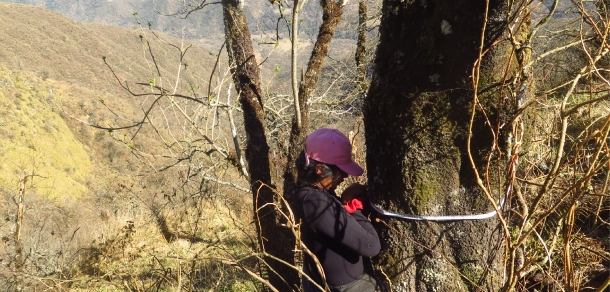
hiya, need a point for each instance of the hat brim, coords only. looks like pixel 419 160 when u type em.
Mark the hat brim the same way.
pixel 352 168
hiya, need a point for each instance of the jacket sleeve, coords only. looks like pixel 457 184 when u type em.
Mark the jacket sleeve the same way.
pixel 327 216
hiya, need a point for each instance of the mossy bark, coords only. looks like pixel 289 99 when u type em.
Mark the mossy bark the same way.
pixel 417 114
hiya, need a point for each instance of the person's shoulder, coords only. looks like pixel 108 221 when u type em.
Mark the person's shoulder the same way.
pixel 309 191
pixel 304 189
pixel 317 195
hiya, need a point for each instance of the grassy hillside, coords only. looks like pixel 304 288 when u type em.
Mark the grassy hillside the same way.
pixel 35 139
pixel 37 40
pixel 92 218
pixel 119 13
pixel 90 225
pixel 89 212
pixel 66 57
pixel 58 62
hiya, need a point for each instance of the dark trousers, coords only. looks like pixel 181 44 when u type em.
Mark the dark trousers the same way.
pixel 364 283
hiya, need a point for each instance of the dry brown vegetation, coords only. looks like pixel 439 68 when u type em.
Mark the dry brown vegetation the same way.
pixel 134 224
pixel 115 224
pixel 110 214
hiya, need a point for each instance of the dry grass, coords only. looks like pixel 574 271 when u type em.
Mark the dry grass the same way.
pixel 584 238
pixel 130 230
pixel 134 240
pixel 98 225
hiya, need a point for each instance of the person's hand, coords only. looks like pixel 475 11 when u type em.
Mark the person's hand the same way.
pixel 355 190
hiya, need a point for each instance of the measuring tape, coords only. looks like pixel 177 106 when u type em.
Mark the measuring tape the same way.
pixel 435 218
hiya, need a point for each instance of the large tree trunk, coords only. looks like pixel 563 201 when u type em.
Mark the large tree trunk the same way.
pixel 417 116
pixel 274 239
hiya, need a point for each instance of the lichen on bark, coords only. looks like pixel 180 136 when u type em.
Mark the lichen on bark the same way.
pixel 417 116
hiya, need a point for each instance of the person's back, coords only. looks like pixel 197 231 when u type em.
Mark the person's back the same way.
pixel 339 236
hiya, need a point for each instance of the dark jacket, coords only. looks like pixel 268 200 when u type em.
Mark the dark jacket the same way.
pixel 338 239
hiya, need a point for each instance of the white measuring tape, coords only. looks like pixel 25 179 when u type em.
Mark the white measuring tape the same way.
pixel 436 218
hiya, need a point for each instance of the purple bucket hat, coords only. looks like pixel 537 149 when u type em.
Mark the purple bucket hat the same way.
pixel 330 146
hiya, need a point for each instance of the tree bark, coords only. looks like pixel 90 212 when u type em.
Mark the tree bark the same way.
pixel 274 239
pixel 360 55
pixel 416 116
pixel 19 258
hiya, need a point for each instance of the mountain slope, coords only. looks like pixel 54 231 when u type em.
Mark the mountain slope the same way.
pixel 48 62
pixel 206 23
pixel 35 140
pixel 168 16
pixel 38 40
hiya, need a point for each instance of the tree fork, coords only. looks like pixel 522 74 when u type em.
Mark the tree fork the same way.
pixel 332 12
pixel 273 237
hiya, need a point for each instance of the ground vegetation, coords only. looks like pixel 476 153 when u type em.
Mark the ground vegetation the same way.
pixel 173 163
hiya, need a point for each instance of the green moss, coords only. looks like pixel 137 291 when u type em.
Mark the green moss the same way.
pixel 425 189
pixel 472 272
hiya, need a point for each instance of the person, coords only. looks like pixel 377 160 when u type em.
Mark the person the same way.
pixel 336 232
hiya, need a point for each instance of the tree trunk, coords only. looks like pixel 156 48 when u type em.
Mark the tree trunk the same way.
pixel 19 258
pixel 417 115
pixel 274 239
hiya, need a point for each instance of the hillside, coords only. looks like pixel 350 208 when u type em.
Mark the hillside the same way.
pixel 47 59
pixel 120 13
pixel 87 202
pixel 34 139
pixel 38 40
pixel 102 203
pixel 64 59
pixel 168 16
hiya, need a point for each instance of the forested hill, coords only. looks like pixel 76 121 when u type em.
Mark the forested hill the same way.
pixel 38 40
pixel 120 13
pixel 169 16
pixel 48 61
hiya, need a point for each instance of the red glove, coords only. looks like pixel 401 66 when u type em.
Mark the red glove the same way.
pixel 354 204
